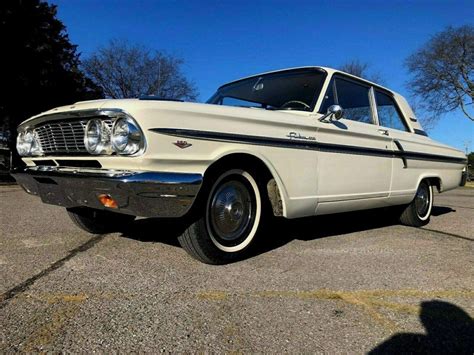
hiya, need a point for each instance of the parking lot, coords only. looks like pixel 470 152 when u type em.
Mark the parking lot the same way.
pixel 345 283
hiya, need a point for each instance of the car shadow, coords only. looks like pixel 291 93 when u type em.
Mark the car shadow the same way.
pixel 282 231
pixel 449 330
pixel 278 231
pixel 161 230
pixel 440 210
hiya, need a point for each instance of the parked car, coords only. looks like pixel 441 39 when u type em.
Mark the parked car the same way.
pixel 292 143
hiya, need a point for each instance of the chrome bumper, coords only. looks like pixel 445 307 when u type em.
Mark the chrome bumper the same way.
pixel 146 194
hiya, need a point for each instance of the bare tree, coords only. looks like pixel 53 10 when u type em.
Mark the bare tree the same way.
pixel 126 70
pixel 362 70
pixel 443 72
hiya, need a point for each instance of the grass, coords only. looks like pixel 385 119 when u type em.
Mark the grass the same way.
pixel 470 184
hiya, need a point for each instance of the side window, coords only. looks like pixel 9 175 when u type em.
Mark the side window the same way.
pixel 388 112
pixel 354 99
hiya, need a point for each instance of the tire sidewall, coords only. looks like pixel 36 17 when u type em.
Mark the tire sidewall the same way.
pixel 241 174
pixel 426 217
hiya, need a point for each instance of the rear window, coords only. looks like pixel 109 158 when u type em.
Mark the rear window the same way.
pixel 389 115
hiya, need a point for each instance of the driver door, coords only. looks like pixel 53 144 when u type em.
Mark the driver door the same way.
pixel 355 158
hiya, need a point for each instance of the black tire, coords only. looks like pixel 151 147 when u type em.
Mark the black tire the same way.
pixel 417 213
pixel 99 221
pixel 228 218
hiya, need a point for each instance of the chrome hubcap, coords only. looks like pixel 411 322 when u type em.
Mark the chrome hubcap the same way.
pixel 231 210
pixel 422 200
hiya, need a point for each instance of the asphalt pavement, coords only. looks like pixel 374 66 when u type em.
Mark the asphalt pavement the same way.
pixel 354 282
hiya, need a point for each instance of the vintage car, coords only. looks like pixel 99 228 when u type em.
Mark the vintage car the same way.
pixel 293 143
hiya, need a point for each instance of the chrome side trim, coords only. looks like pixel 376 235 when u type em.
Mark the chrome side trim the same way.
pixel 307 145
pixel 146 194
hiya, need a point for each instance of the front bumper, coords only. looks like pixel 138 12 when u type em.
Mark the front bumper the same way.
pixel 146 194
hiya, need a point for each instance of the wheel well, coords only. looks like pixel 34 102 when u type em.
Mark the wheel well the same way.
pixel 434 181
pixel 254 165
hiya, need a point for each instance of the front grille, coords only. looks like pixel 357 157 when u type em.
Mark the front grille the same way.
pixel 64 137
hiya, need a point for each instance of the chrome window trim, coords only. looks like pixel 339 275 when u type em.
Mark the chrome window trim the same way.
pixel 373 105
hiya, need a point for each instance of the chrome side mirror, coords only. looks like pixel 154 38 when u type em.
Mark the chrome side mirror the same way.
pixel 335 112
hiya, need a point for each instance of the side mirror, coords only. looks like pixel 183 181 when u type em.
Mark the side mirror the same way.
pixel 334 112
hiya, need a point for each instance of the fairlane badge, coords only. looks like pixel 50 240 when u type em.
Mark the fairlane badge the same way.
pixel 296 135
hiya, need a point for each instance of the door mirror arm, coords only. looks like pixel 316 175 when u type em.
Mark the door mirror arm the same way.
pixel 335 112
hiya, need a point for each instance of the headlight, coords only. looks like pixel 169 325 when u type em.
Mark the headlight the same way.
pixel 126 136
pixel 22 146
pixel 27 144
pixel 97 137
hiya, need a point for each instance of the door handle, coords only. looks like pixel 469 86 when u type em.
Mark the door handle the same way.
pixel 384 132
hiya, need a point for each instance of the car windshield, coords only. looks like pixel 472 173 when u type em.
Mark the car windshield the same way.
pixel 296 89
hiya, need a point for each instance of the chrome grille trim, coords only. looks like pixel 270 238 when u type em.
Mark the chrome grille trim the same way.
pixel 63 137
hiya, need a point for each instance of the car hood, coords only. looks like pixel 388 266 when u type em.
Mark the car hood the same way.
pixel 138 108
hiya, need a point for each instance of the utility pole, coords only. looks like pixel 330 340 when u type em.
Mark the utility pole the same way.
pixel 466 146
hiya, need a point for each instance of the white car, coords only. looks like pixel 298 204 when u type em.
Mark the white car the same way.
pixel 293 143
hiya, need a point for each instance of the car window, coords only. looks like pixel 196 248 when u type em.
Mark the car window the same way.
pixel 388 113
pixel 354 99
pixel 232 101
pixel 294 89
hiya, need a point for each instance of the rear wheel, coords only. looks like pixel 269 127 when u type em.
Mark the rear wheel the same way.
pixel 99 221
pixel 418 212
pixel 228 225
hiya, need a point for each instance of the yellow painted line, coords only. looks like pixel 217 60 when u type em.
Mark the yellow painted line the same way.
pixel 368 300
pixel 373 302
pixel 213 295
pixel 67 306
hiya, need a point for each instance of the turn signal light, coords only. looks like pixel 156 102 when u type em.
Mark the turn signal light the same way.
pixel 107 201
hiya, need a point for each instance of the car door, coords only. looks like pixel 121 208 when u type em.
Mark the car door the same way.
pixel 405 172
pixel 355 157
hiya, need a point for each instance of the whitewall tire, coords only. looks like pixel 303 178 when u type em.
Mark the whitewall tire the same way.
pixel 418 212
pixel 228 221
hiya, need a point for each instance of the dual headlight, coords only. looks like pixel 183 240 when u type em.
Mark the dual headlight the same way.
pixel 27 144
pixel 124 138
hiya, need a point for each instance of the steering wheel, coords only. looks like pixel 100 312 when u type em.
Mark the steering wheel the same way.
pixel 295 102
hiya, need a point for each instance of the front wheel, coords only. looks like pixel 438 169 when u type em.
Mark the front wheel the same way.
pixel 418 212
pixel 99 221
pixel 228 226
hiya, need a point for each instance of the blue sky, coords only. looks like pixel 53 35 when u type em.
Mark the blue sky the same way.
pixel 225 40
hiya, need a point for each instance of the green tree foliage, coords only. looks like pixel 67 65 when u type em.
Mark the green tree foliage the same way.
pixel 39 67
pixel 470 166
